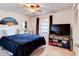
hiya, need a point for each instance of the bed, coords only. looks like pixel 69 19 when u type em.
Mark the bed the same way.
pixel 22 44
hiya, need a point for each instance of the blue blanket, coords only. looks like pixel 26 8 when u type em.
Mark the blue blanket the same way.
pixel 22 44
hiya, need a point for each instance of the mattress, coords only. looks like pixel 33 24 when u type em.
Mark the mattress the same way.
pixel 22 44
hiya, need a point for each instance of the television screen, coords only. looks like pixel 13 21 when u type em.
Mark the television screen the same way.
pixel 60 29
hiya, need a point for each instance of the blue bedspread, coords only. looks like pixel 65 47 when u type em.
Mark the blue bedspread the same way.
pixel 21 44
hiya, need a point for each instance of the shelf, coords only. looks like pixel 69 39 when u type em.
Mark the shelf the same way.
pixel 59 41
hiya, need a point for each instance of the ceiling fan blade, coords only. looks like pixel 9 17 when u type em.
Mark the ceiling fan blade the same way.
pixel 31 7
pixel 25 10
pixel 25 6
pixel 39 10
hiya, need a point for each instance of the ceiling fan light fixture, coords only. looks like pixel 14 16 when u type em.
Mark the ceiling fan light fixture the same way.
pixel 32 7
pixel 32 10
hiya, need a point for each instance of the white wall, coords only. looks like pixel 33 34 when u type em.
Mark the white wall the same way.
pixel 31 25
pixel 61 17
pixel 42 18
pixel 19 17
pixel 76 29
pixel 65 17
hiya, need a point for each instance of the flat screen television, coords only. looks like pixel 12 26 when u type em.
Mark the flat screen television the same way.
pixel 60 29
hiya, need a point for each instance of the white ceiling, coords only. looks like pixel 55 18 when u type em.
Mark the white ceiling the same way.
pixel 46 7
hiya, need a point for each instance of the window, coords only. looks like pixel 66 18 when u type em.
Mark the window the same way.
pixel 44 26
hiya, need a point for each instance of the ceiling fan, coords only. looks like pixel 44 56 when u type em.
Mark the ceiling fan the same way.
pixel 32 8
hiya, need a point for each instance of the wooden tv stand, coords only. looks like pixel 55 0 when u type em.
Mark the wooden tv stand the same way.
pixel 60 41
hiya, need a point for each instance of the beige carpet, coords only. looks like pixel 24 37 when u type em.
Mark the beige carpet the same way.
pixel 3 53
pixel 56 51
pixel 48 51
